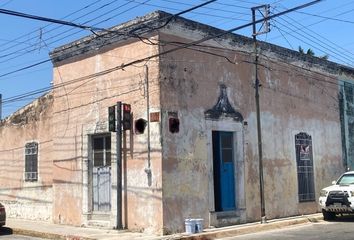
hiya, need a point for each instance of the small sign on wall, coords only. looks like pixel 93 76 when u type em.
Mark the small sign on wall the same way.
pixel 155 117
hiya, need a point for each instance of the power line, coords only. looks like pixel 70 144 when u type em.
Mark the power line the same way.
pixel 313 45
pixel 175 9
pixel 113 31
pixel 345 52
pixel 6 3
pixel 323 43
pixel 186 45
pixel 280 31
pixel 209 8
pixel 101 29
pixel 315 23
pixel 332 45
pixel 45 19
pixel 329 18
pixel 26 50
pixel 25 68
pixel 50 30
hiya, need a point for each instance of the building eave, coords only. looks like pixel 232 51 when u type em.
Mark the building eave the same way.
pixel 156 21
pixel 29 112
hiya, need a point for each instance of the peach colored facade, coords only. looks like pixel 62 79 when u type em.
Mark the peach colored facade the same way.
pixel 31 200
pixel 170 176
pixel 81 112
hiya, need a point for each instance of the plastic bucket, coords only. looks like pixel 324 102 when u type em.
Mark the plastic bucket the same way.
pixel 190 226
pixel 198 225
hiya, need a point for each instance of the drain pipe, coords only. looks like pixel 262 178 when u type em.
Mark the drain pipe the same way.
pixel 148 169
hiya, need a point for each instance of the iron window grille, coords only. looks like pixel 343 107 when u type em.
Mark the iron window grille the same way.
pixel 31 162
pixel 304 162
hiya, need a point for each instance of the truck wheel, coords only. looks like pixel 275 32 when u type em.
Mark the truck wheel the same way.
pixel 328 215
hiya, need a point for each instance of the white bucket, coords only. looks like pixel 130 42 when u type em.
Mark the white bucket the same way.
pixel 190 226
pixel 198 225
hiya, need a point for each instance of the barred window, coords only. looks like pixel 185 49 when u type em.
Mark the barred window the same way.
pixel 31 162
pixel 304 162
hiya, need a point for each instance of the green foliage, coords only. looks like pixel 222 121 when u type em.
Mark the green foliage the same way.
pixel 325 57
pixel 310 52
pixel 301 50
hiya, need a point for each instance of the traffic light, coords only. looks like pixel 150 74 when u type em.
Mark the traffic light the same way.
pixel 127 119
pixel 112 118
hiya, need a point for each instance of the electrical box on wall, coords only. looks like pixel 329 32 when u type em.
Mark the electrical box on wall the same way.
pixel 173 124
pixel 140 125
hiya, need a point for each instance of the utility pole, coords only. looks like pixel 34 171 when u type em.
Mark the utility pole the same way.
pixel 265 29
pixel 0 106
pixel 119 225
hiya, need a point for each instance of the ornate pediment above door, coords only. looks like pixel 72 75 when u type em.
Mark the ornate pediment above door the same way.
pixel 223 108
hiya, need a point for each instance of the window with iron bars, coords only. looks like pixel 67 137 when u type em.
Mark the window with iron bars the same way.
pixel 31 162
pixel 304 162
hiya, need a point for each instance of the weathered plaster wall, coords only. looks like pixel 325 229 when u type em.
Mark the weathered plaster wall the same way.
pixel 346 106
pixel 28 200
pixel 189 86
pixel 81 110
pixel 293 100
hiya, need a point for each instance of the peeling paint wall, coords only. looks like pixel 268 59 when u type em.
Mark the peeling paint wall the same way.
pixel 27 200
pixel 346 107
pixel 293 100
pixel 81 111
pixel 174 178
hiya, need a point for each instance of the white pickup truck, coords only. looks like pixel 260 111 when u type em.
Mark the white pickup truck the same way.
pixel 338 198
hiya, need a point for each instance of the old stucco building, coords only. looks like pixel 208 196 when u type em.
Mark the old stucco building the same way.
pixel 198 155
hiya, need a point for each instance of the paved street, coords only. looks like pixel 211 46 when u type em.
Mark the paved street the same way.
pixel 342 229
pixel 6 233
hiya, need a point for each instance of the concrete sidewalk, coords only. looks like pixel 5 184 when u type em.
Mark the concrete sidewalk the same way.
pixel 55 231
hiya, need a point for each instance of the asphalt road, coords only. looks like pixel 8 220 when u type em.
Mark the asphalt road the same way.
pixel 340 229
pixel 6 233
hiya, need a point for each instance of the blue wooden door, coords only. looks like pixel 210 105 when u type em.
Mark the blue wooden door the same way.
pixel 224 179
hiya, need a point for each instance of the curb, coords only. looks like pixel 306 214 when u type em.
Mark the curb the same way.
pixel 254 228
pixel 209 234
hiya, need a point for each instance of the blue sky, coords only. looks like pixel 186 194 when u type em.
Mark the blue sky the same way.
pixel 326 28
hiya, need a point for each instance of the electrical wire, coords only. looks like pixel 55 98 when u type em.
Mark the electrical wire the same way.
pixel 317 22
pixel 330 18
pixel 44 27
pixel 330 44
pixel 69 35
pixel 186 45
pixel 280 31
pixel 115 32
pixel 129 1
pixel 315 45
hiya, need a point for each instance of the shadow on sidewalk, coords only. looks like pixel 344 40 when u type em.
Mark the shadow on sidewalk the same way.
pixel 5 231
